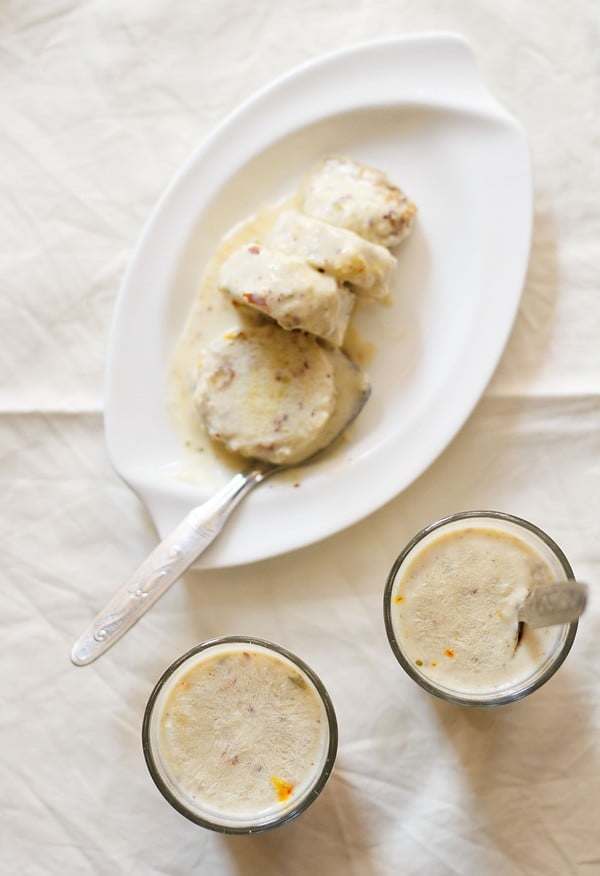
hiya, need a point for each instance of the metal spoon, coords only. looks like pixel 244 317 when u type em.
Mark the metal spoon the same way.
pixel 558 603
pixel 176 553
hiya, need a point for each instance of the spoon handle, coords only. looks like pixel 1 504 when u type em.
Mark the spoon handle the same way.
pixel 558 603
pixel 167 562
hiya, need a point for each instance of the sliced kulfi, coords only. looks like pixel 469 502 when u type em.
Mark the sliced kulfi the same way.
pixel 358 197
pixel 288 290
pixel 337 251
pixel 266 393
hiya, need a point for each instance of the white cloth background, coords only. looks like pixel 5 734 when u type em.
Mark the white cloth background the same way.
pixel 101 101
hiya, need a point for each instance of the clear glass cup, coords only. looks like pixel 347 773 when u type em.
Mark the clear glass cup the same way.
pixel 262 706
pixel 511 689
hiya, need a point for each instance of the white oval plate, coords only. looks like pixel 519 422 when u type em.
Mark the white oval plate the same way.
pixel 415 107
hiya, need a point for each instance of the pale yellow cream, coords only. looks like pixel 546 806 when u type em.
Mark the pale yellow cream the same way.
pixel 243 733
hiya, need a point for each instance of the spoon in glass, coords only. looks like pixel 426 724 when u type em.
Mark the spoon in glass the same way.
pixel 558 603
pixel 178 551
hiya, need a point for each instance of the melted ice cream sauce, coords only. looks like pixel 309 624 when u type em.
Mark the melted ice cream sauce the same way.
pixel 213 314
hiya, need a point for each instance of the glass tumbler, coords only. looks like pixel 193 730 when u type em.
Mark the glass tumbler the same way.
pixel 239 735
pixel 450 608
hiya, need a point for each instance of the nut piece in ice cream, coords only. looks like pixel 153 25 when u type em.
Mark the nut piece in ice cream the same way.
pixel 358 197
pixel 336 251
pixel 288 290
pixel 267 394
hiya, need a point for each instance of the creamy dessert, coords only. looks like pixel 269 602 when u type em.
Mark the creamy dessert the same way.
pixel 358 197
pixel 288 290
pixel 452 607
pixel 240 736
pixel 337 251
pixel 298 271
pixel 253 391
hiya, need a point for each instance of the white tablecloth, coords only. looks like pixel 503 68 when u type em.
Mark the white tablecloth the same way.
pixel 101 102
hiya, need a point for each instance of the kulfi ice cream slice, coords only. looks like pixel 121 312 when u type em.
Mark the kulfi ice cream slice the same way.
pixel 337 251
pixel 288 290
pixel 266 393
pixel 358 197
